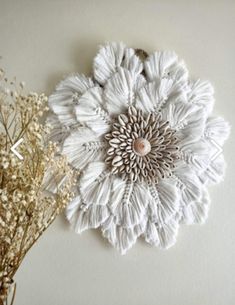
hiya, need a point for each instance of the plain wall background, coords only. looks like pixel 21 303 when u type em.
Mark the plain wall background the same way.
pixel 42 41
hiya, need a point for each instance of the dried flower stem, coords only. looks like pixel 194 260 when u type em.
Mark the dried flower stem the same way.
pixel 33 191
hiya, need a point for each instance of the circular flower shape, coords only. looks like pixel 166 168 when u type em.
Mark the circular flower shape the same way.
pixel 142 136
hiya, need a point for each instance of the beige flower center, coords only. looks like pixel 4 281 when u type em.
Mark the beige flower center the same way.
pixel 141 146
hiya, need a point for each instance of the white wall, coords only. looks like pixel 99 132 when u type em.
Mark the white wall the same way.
pixel 40 42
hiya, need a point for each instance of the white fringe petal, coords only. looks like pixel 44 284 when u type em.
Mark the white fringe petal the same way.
pixel 196 154
pixel 73 209
pixel 52 182
pixel 108 59
pixel 216 132
pixel 132 62
pixel 151 234
pixel 57 133
pixel 163 236
pixel 90 111
pixel 150 97
pixel 128 202
pixel 119 91
pixel 170 77
pixel 202 94
pixel 215 171
pixel 131 210
pixel 95 184
pixel 189 185
pixel 91 218
pixel 81 147
pixel 63 100
pixel 121 238
pixel 217 129
pixel 82 217
pixel 165 64
pixel 164 203
pixel 187 119
pixel 196 212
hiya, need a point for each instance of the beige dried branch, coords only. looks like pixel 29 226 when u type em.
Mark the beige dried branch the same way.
pixel 33 191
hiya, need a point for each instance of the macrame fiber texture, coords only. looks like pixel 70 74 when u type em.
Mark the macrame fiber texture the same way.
pixel 141 134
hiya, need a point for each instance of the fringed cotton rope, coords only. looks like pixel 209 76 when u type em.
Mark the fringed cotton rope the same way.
pixel 142 136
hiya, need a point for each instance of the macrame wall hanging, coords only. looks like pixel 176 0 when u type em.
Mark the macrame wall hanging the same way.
pixel 142 136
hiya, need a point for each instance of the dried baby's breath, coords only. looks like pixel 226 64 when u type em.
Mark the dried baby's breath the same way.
pixel 33 191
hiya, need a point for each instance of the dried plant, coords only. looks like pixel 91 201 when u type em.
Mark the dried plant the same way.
pixel 33 191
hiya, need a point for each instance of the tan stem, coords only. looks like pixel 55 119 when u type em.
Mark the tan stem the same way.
pixel 14 293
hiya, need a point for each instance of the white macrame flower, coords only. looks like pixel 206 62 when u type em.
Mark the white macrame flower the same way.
pixel 141 135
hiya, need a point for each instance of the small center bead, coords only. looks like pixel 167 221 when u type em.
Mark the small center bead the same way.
pixel 141 146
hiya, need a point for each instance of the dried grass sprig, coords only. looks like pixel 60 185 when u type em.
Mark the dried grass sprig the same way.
pixel 33 191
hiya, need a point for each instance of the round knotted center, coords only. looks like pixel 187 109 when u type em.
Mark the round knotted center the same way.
pixel 141 146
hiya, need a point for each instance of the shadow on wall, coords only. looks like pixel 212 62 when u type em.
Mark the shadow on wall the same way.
pixel 81 54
